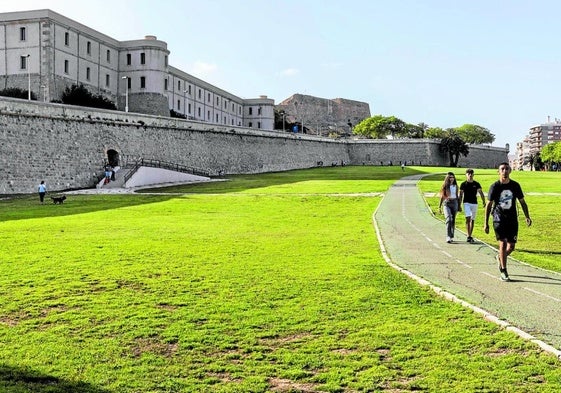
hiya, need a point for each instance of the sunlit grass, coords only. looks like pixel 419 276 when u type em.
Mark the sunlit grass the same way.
pixel 274 281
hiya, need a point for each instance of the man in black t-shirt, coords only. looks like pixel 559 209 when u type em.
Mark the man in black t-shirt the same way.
pixel 502 202
pixel 468 194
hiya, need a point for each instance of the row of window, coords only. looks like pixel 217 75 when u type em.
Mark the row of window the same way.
pixel 24 66
pixel 23 37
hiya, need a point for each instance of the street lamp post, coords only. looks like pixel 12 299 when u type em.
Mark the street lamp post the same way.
pixel 28 79
pixel 126 78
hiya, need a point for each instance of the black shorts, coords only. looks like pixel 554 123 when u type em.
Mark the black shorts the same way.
pixel 506 231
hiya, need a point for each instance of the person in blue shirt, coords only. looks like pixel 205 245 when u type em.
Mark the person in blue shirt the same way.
pixel 42 191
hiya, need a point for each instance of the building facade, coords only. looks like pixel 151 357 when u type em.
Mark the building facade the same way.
pixel 543 134
pixel 46 53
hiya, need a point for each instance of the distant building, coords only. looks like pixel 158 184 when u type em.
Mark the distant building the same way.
pixel 539 136
pixel 543 134
pixel 323 116
pixel 520 160
pixel 51 52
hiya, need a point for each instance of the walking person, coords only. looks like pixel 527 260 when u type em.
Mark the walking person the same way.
pixel 502 202
pixel 449 198
pixel 468 196
pixel 42 191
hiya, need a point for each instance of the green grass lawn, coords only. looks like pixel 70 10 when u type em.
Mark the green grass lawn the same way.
pixel 270 282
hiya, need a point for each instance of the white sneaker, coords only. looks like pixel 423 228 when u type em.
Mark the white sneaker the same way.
pixel 448 239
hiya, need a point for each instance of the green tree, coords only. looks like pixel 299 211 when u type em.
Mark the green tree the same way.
pixel 454 145
pixel 379 127
pixel 423 127
pixel 435 133
pixel 551 154
pixel 414 130
pixel 472 133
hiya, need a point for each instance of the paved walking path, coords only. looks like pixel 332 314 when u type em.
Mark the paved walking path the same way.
pixel 414 241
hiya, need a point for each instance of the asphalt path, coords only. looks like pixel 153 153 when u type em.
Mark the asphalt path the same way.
pixel 414 242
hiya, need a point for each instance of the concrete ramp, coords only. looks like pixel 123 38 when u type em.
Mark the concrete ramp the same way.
pixel 148 176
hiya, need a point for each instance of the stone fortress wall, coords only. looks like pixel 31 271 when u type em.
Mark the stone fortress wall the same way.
pixel 322 116
pixel 68 146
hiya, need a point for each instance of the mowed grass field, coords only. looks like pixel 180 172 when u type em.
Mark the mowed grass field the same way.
pixel 271 282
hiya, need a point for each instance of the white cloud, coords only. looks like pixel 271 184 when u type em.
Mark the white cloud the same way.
pixel 289 72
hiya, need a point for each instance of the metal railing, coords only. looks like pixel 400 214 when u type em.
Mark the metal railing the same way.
pixel 163 165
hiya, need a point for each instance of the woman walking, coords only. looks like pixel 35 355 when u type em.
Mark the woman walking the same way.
pixel 449 198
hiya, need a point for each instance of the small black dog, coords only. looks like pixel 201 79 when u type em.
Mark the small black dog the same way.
pixel 58 200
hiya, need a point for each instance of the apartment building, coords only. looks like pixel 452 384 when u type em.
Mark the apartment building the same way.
pixel 46 52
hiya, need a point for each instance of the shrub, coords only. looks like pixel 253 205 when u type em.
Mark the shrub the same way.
pixel 80 96
pixel 16 92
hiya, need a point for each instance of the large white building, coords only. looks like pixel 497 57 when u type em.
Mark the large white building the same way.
pixel 49 52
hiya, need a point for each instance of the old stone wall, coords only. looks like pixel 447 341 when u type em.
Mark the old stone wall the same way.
pixel 323 116
pixel 68 146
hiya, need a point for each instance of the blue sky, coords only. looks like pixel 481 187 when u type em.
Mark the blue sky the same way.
pixel 445 63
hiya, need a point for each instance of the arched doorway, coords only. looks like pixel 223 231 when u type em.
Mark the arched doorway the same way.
pixel 113 158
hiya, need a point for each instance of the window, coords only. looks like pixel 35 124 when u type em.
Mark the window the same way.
pixel 166 60
pixel 89 48
pixel 107 80
pixel 67 38
pixel 166 84
pixel 258 124
pixel 259 111
pixel 23 62
pixel 66 66
pixel 143 58
pixel 189 90
pixel 250 110
pixel 142 82
pixel 22 34
pixel 129 59
pixel 217 101
pixel 129 83
pixel 88 73
pixel 199 112
pixel 225 120
pixel 199 94
pixel 250 124
pixel 208 99
pixel 233 109
pixel 178 85
pixel 208 115
pixel 108 56
pixel 189 108
pixel 178 105
pixel 217 117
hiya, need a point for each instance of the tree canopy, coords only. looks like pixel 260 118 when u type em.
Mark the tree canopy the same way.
pixel 379 127
pixel 551 153
pixel 472 133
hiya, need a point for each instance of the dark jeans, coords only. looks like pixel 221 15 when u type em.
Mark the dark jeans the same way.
pixel 450 211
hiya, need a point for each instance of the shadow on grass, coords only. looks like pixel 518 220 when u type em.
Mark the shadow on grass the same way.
pixel 28 206
pixel 240 183
pixel 16 380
